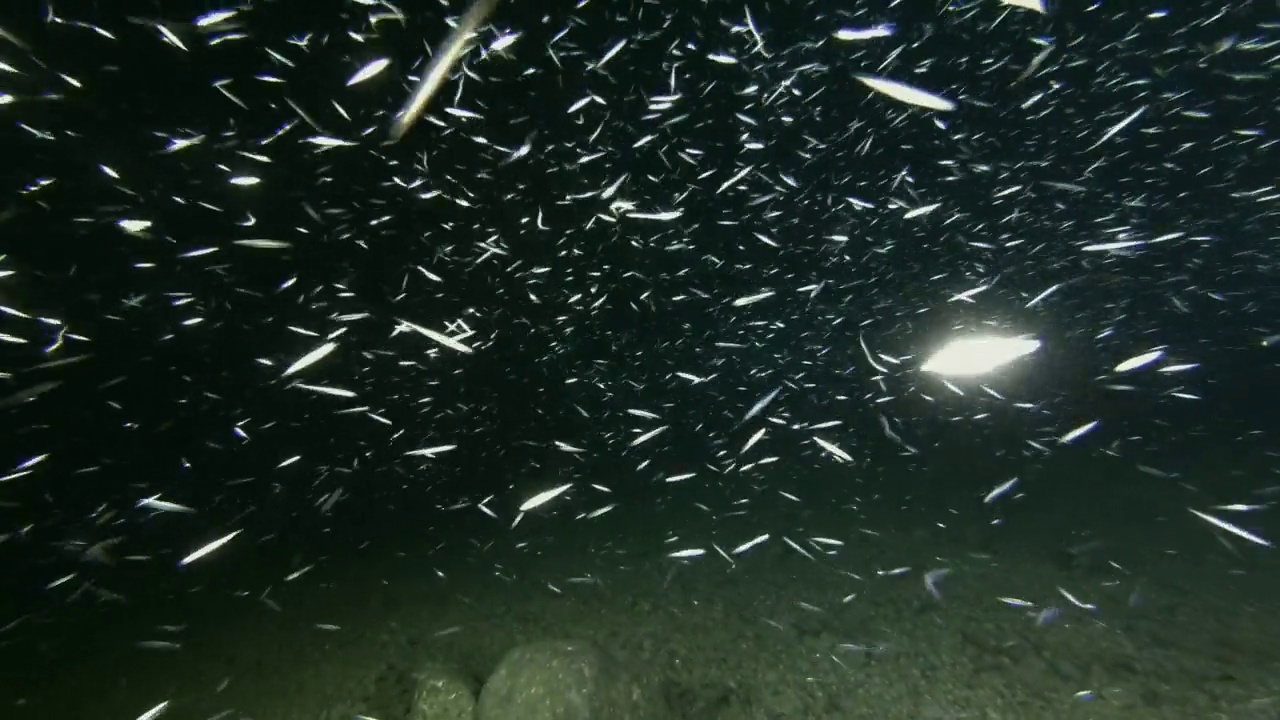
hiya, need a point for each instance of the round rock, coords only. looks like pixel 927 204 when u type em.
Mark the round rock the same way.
pixel 567 680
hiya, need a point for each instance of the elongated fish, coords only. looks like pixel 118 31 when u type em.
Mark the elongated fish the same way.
pixel 455 46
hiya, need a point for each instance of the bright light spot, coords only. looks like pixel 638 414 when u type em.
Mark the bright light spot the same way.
pixel 971 357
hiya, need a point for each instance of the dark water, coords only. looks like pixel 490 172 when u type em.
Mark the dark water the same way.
pixel 232 313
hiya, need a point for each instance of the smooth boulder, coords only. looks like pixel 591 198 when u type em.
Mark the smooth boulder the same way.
pixel 568 680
